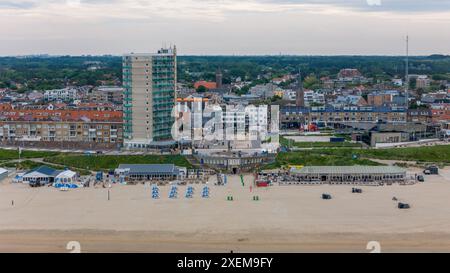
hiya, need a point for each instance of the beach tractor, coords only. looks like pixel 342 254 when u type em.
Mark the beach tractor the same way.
pixel 326 196
pixel 431 170
pixel 403 206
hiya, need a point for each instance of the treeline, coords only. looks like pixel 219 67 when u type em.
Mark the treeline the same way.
pixel 378 67
pixel 41 73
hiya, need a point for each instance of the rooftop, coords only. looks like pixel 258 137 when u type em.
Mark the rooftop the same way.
pixel 349 170
pixel 149 168
pixel 330 108
pixel 60 115
pixel 44 170
pixel 207 85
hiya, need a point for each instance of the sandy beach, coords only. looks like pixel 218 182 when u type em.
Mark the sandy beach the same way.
pixel 285 219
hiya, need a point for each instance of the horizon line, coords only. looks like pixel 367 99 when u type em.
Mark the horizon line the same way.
pixel 229 55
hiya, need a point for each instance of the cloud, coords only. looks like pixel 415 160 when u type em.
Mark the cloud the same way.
pixel 396 6
pixel 16 4
pixel 212 10
pixel 374 2
pixel 223 26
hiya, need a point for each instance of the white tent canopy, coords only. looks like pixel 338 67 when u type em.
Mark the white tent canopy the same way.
pixel 66 176
pixel 3 173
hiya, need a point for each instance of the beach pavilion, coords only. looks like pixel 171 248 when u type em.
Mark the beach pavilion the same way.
pixel 41 175
pixel 150 171
pixel 349 174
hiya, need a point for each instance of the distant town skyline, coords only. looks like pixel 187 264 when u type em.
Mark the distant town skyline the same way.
pixel 225 27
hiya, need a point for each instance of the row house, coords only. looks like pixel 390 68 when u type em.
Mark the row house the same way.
pixel 294 117
pixel 422 115
pixel 61 129
pixel 79 131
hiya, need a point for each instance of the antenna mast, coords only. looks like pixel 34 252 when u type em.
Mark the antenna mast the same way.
pixel 407 74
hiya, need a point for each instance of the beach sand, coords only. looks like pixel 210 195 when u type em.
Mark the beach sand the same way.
pixel 285 219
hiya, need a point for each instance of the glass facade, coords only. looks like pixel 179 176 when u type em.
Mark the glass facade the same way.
pixel 127 98
pixel 163 92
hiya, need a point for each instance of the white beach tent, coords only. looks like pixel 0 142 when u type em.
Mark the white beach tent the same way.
pixel 3 173
pixel 66 176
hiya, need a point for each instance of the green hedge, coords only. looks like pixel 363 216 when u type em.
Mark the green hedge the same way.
pixel 107 162
pixel 14 154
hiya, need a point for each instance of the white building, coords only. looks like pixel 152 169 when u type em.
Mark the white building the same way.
pixel 397 82
pixel 263 90
pixel 422 81
pixel 312 97
pixel 289 94
pixel 66 94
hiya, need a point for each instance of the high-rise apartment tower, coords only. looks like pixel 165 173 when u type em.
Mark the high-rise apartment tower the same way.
pixel 149 82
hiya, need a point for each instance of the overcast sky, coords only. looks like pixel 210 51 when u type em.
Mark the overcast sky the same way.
pixel 206 27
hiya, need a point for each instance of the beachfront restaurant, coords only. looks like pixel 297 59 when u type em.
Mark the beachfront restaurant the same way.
pixel 343 175
pixel 142 172
pixel 41 175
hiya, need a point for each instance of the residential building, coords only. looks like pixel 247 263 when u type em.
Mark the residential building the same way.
pixel 192 109
pixel 72 129
pixel 312 97
pixel 112 94
pixel 383 98
pixel 423 115
pixel 263 90
pixel 397 82
pixel 440 113
pixel 289 94
pixel 66 94
pixel 423 82
pixel 350 75
pixel 296 117
pixel 350 100
pixel 436 97
pixel 149 96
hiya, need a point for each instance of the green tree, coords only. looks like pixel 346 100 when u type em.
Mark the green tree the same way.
pixel 201 89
